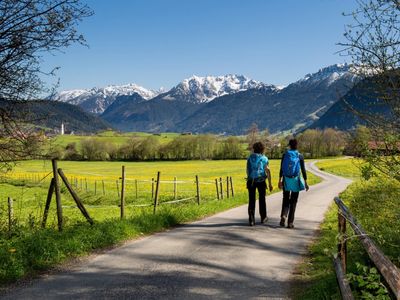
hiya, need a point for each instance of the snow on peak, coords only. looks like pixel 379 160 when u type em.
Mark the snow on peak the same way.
pixel 330 74
pixel 103 96
pixel 110 90
pixel 204 89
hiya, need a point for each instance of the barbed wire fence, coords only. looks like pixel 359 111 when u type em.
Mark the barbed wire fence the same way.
pixel 105 193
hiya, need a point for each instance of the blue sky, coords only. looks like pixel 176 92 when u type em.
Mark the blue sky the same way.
pixel 158 43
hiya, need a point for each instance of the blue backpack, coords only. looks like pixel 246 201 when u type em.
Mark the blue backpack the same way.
pixel 256 167
pixel 291 164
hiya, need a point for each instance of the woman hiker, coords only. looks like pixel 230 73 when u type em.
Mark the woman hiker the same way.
pixel 257 172
pixel 291 182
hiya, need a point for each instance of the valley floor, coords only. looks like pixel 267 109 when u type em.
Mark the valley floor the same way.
pixel 219 257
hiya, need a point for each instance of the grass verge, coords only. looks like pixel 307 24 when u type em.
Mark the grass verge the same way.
pixel 375 205
pixel 25 251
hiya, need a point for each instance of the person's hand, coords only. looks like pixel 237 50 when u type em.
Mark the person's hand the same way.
pixel 307 187
pixel 271 187
pixel 280 185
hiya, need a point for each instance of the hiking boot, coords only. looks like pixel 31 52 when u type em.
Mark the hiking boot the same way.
pixel 290 225
pixel 264 220
pixel 282 222
pixel 252 220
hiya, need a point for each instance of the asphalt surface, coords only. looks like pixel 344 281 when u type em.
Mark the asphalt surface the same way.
pixel 220 257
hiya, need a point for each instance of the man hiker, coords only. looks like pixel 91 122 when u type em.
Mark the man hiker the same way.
pixel 291 181
pixel 257 172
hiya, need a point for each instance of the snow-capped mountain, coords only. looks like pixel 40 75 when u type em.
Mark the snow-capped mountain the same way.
pixel 195 89
pixel 205 89
pixel 329 75
pixel 96 100
pixel 229 103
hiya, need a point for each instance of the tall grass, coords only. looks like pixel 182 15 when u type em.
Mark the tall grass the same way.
pixel 375 205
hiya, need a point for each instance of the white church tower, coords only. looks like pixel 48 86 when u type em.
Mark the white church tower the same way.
pixel 62 128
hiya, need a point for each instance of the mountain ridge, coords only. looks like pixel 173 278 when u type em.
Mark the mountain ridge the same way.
pixel 269 106
pixel 96 100
pixel 50 114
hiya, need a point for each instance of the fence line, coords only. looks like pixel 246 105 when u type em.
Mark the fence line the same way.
pixel 389 271
pixel 130 192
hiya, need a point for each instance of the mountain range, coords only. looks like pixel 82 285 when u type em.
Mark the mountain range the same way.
pixel 96 100
pixel 217 104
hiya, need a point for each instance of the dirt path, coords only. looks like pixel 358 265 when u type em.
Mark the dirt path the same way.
pixel 219 257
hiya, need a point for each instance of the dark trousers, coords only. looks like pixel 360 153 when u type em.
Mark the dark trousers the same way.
pixel 289 205
pixel 261 187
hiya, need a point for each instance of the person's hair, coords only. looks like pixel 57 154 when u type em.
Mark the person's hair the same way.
pixel 293 144
pixel 258 147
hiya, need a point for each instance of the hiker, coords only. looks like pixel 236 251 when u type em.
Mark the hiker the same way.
pixel 291 181
pixel 257 172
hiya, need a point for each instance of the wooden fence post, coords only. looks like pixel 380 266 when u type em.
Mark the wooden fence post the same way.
pixel 48 201
pixel 104 191
pixel 152 188
pixel 10 213
pixel 75 197
pixel 344 286
pixel 231 182
pixel 123 193
pixel 86 187
pixel 216 187
pixel 58 195
pixel 342 243
pixel 175 189
pixel 221 188
pixel 197 189
pixel 388 269
pixel 157 191
pixel 227 187
pixel 95 187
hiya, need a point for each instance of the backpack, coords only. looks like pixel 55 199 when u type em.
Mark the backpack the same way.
pixel 256 167
pixel 291 164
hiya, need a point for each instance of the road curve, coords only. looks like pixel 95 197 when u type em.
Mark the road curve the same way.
pixel 220 257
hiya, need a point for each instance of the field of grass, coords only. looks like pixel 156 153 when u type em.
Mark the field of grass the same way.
pixel 28 248
pixel 111 137
pixel 349 168
pixel 143 172
pixel 375 205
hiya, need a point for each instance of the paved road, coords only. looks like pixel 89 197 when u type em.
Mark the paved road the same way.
pixel 220 257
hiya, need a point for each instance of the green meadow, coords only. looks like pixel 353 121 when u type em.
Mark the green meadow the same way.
pixel 349 168
pixel 28 248
pixel 112 137
pixel 375 204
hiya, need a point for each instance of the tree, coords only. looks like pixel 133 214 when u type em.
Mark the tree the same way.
pixel 310 143
pixel 148 147
pixel 357 143
pixel 253 135
pixel 333 142
pixel 373 43
pixel 28 29
pixel 71 152
pixel 272 144
pixel 206 146
pixel 94 149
